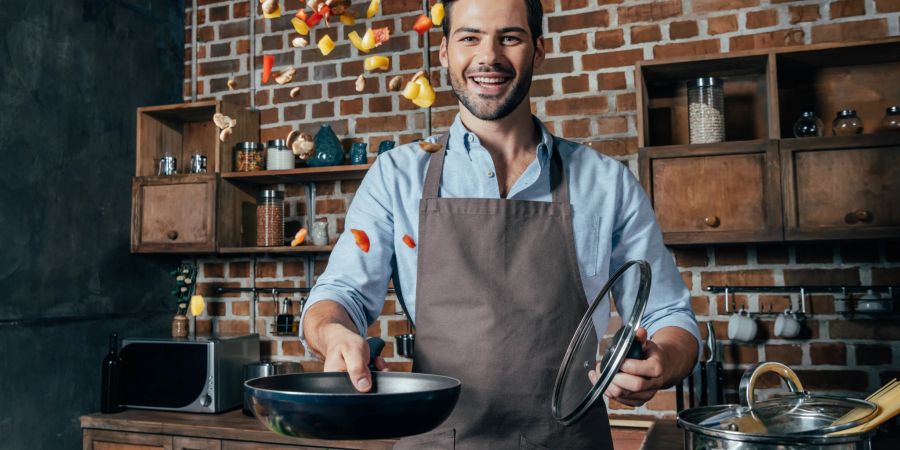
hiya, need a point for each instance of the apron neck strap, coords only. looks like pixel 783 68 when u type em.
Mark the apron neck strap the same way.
pixel 559 186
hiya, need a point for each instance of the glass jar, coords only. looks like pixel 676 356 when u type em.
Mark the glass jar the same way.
pixel 320 232
pixel 248 156
pixel 891 121
pixel 706 110
pixel 270 218
pixel 278 155
pixel 808 125
pixel 358 153
pixel 846 123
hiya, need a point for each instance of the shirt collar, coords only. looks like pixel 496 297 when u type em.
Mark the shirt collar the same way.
pixel 462 138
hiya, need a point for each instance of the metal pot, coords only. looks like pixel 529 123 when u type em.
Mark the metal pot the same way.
pixel 261 369
pixel 797 421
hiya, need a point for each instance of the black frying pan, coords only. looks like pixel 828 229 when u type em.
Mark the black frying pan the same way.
pixel 327 406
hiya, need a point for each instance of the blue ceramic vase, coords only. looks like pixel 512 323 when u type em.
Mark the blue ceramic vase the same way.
pixel 329 151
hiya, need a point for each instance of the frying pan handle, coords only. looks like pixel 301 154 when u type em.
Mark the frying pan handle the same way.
pixel 635 351
pixel 376 345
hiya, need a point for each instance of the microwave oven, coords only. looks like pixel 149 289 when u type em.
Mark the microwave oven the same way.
pixel 201 374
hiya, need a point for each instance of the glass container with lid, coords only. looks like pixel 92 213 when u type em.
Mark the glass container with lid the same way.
pixel 706 110
pixel 248 156
pixel 808 125
pixel 270 218
pixel 278 155
pixel 891 121
pixel 847 123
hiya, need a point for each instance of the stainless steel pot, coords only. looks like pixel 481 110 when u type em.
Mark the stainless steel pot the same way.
pixel 261 369
pixel 797 421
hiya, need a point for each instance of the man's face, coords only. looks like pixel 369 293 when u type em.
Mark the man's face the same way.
pixel 489 55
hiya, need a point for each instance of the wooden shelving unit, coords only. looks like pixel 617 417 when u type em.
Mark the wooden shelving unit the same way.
pixel 284 250
pixel 302 175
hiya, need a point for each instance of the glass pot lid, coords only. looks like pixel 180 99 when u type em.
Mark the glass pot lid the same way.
pixel 601 343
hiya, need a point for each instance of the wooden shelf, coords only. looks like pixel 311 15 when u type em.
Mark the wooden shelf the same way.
pixel 304 175
pixel 285 250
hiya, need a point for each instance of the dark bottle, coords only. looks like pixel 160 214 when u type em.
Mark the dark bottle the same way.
pixel 111 378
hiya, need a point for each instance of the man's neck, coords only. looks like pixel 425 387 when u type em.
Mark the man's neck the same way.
pixel 509 138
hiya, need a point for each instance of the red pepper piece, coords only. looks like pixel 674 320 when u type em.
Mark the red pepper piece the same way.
pixel 423 24
pixel 381 35
pixel 408 240
pixel 317 17
pixel 268 62
pixel 362 239
pixel 301 14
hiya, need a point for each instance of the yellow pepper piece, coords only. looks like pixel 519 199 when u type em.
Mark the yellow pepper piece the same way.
pixel 274 14
pixel 356 41
pixel 300 26
pixel 437 14
pixel 426 93
pixel 347 19
pixel 326 45
pixel 411 90
pixel 368 40
pixel 197 305
pixel 373 8
pixel 377 62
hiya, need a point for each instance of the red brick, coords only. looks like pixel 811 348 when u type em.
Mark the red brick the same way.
pixel 833 353
pixel 850 31
pixel 731 255
pixel 238 269
pixel 215 309
pixel 292 347
pixel 573 43
pixel 626 102
pixel 804 13
pixel 578 128
pixel 293 268
pixel 562 64
pixel 333 206
pixel 349 186
pixel 839 277
pixel 685 49
pixel 687 277
pixel 860 251
pixel 322 109
pixel 240 10
pixel 705 6
pixel 845 380
pixel 889 276
pixel 381 124
pixel 774 303
pixel 411 61
pixel 586 20
pixel 772 254
pixel 213 270
pixel 272 42
pixel 218 67
pixel 683 29
pixel 880 329
pixel 243 47
pixel 691 257
pixel 603 60
pixel 821 304
pixel 786 354
pixel 847 8
pixel 604 40
pixel 778 38
pixel 615 147
pixel 240 308
pixel 814 253
pixel 738 278
pixel 266 270
pixel 397 327
pixel 612 125
pixel 352 106
pixel 884 6
pixel 234 29
pixel 762 19
pixel 234 327
pixel 740 353
pixel 575 84
pixel 539 88
pixel 576 106
pixel 648 33
pixel 650 12
pixel 210 289
pixel 736 302
pixel 611 81
pixel 565 5
pixel 721 24
pixel 873 354
pixel 662 401
pixel 700 305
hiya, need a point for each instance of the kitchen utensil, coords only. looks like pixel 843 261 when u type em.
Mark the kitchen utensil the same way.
pixel 584 375
pixel 326 405
pixel 198 163
pixel 872 303
pixel 798 420
pixel 888 400
pixel 261 369
pixel 741 327
pixel 714 374
pixel 787 325
pixel 168 165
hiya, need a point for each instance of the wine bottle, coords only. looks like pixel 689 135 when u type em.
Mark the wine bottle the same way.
pixel 111 378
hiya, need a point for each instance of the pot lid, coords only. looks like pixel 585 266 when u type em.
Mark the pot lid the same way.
pixel 797 414
pixel 594 356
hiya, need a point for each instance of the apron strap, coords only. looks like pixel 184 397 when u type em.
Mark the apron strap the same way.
pixel 559 184
pixel 435 169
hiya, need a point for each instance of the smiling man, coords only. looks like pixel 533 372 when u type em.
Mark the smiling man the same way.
pixel 516 230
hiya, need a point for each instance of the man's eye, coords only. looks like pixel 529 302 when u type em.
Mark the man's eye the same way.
pixel 509 39
pixel 467 39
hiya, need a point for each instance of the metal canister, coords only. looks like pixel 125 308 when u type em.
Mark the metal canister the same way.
pixel 266 369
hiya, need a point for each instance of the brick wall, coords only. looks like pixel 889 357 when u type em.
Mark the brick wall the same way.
pixel 584 92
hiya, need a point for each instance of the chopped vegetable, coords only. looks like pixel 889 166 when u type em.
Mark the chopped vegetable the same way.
pixel 314 19
pixel 394 84
pixel 268 62
pixel 299 237
pixel 232 85
pixel 276 13
pixel 300 26
pixel 286 76
pixel 377 62
pixel 408 240
pixel 373 8
pixel 347 19
pixel 422 25
pixel 411 91
pixel 301 14
pixel 362 239
pixel 223 136
pixel 326 45
pixel 368 40
pixel 197 305
pixel 426 93
pixel 299 42
pixel 429 146
pixel 381 35
pixel 295 92
pixel 360 83
pixel 222 121
pixel 356 41
pixel 437 14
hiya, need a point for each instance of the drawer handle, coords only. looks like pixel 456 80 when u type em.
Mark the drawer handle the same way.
pixel 863 215
pixel 712 221
pixel 172 235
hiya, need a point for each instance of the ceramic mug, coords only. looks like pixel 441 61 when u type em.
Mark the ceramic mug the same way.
pixel 787 325
pixel 741 326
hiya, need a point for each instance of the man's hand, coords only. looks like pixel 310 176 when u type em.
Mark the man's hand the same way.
pixel 668 358
pixel 330 333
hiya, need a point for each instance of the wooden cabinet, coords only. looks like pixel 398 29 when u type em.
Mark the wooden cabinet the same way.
pixel 727 193
pixel 841 187
pixel 188 443
pixel 117 440
pixel 173 214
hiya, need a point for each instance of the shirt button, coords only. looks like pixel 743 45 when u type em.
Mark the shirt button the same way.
pixel 471 138
pixel 490 174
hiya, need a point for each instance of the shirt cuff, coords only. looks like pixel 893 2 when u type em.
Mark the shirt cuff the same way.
pixel 319 295
pixel 687 323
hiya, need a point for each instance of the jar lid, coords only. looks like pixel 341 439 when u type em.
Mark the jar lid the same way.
pixel 892 109
pixel 269 194
pixel 808 114
pixel 847 113
pixel 705 82
pixel 276 143
pixel 248 145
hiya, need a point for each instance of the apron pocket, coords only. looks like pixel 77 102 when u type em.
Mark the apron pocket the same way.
pixel 525 444
pixel 587 242
pixel 442 440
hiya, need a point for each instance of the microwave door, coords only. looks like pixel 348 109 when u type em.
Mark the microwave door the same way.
pixel 164 376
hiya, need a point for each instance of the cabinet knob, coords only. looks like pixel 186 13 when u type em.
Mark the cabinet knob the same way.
pixel 862 215
pixel 172 235
pixel 712 221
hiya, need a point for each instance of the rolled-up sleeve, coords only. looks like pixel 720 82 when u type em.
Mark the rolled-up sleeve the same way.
pixel 355 279
pixel 637 236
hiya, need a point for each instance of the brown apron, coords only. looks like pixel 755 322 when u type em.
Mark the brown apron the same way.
pixel 498 297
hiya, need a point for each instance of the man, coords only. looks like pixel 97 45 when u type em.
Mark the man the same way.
pixel 516 232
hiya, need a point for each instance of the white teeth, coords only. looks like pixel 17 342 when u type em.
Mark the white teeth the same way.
pixel 486 80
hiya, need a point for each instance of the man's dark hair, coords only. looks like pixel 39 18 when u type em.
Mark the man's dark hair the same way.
pixel 535 18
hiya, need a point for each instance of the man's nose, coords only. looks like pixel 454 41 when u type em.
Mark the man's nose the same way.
pixel 488 52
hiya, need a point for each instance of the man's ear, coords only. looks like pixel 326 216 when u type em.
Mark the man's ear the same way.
pixel 445 60
pixel 539 52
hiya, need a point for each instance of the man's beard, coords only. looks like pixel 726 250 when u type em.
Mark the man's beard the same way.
pixel 476 105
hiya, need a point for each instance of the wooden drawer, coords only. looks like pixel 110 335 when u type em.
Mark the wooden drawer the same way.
pixel 173 214
pixel 715 193
pixel 116 440
pixel 842 188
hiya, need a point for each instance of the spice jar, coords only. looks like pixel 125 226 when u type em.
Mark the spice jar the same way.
pixel 808 125
pixel 891 121
pixel 846 123
pixel 248 156
pixel 270 218
pixel 278 155
pixel 706 110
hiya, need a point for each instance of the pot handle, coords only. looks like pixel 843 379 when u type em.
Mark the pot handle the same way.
pixel 376 345
pixel 752 374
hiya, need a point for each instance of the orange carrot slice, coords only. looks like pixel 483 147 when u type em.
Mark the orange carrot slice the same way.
pixel 408 240
pixel 362 239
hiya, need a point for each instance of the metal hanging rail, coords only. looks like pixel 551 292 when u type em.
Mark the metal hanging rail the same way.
pixel 802 290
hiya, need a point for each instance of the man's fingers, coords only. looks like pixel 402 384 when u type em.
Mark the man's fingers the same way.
pixel 381 365
pixel 632 383
pixel 357 360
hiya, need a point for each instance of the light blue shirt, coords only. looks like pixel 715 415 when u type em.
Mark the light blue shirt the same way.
pixel 613 223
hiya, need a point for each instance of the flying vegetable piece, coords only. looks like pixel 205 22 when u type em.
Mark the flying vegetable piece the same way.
pixel 300 26
pixel 437 14
pixel 314 19
pixel 286 76
pixel 347 19
pixel 299 42
pixel 422 25
pixel 197 305
pixel 377 62
pixel 408 240
pixel 232 85
pixel 373 8
pixel 426 93
pixel 360 83
pixel 356 41
pixel 299 237
pixel 326 45
pixel 429 147
pixel 381 35
pixel 362 239
pixel 222 121
pixel 368 40
pixel 295 92
pixel 273 7
pixel 411 90
pixel 268 62
pixel 301 14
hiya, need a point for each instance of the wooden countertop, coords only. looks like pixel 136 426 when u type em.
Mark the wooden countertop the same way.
pixel 233 425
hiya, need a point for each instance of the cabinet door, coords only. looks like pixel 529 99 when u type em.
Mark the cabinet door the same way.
pixel 173 214
pixel 241 445
pixel 115 440
pixel 715 193
pixel 186 443
pixel 842 187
